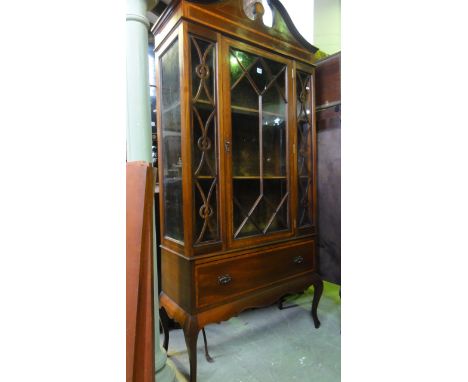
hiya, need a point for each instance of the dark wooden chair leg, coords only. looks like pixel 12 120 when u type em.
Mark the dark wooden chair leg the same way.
pixel 207 355
pixel 191 336
pixel 164 318
pixel 318 289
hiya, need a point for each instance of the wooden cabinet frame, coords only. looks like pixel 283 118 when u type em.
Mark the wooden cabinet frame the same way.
pixel 250 271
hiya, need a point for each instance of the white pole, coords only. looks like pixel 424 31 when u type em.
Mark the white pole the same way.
pixel 139 139
pixel 138 104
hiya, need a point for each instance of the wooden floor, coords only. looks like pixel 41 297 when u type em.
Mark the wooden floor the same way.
pixel 269 345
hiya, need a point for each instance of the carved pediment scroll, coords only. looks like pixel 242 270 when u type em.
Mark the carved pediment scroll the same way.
pixel 245 20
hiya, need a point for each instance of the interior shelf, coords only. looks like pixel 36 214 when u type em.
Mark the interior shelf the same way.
pixel 203 177
pixel 272 177
pixel 251 111
pixel 247 177
pixel 237 109
pixel 258 177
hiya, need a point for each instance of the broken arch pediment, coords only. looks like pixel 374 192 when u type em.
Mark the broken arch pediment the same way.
pixel 254 11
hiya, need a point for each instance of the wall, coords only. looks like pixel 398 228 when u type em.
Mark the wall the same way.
pixel 327 25
pixel 302 14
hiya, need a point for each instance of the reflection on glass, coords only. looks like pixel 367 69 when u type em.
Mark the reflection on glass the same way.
pixel 171 137
pixel 258 110
pixel 304 145
pixel 204 136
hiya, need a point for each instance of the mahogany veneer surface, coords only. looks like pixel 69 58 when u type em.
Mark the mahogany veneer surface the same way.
pixel 254 256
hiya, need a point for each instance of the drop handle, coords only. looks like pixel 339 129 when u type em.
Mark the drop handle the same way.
pixel 298 260
pixel 224 279
pixel 227 145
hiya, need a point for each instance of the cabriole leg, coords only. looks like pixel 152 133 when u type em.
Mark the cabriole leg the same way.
pixel 207 355
pixel 191 336
pixel 318 289
pixel 164 318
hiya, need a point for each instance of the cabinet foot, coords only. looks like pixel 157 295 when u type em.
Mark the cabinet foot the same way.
pixel 191 337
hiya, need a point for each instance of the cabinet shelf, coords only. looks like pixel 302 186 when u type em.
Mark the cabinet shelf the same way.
pixel 246 177
pixel 272 177
pixel 252 111
pixel 204 177
pixel 202 102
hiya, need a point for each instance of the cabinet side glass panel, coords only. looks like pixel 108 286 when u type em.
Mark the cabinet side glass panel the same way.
pixel 304 145
pixel 259 155
pixel 205 138
pixel 171 140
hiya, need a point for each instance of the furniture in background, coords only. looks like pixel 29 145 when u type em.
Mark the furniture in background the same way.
pixel 139 281
pixel 328 90
pixel 237 162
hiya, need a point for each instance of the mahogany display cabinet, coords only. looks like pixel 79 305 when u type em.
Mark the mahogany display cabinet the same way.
pixel 237 162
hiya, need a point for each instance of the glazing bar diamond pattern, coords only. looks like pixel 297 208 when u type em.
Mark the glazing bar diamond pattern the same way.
pixel 270 80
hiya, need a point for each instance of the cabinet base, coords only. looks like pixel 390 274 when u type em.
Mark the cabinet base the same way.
pixel 192 324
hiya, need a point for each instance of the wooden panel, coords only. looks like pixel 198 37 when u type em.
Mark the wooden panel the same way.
pixel 329 118
pixel 177 278
pixel 258 298
pixel 246 273
pixel 139 280
pixel 328 86
pixel 329 168
pixel 329 194
pixel 166 23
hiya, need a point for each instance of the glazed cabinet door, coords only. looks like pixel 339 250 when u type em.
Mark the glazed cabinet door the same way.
pixel 204 127
pixel 188 128
pixel 168 64
pixel 257 144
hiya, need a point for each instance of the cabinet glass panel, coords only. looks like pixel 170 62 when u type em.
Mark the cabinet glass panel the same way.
pixel 304 148
pixel 204 137
pixel 171 139
pixel 259 145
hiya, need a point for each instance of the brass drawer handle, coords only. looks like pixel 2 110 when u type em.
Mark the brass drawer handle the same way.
pixel 224 279
pixel 298 260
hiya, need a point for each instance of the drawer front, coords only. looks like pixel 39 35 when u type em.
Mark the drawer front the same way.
pixel 222 280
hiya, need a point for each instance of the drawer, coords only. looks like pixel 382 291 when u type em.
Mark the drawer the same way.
pixel 222 280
